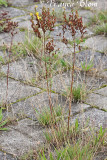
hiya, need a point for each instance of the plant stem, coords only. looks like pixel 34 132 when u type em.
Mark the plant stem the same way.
pixel 49 96
pixel 8 68
pixel 72 80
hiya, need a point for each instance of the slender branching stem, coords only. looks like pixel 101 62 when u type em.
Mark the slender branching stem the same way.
pixel 49 96
pixel 72 80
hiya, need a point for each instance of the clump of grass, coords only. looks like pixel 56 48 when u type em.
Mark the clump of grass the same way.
pixel 28 156
pixel 17 51
pixel 101 29
pixel 93 20
pixel 60 136
pixel 32 45
pixel 80 144
pixel 78 93
pixel 28 47
pixel 87 66
pixel 100 19
pixel 46 119
pixel 103 16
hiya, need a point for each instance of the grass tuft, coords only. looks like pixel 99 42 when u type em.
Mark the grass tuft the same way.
pixel 78 92
pixel 45 118
pixel 79 144
pixel 101 29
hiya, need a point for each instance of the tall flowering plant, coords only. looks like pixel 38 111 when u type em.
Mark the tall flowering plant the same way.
pixel 74 25
pixel 8 26
pixel 46 22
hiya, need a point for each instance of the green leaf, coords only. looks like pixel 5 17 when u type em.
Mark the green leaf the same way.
pixel 37 111
pixel 1 116
pixel 3 123
pixel 51 157
pixel 45 59
pixel 84 39
pixel 76 124
pixel 49 79
pixel 78 41
pixel 1 59
pixel 44 158
pixel 71 43
pixel 63 62
pixel 3 129
pixel 55 56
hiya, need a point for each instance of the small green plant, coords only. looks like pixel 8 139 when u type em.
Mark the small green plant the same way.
pixel 3 3
pixel 44 117
pixel 59 64
pixel 86 67
pixel 101 29
pixel 78 93
pixel 2 123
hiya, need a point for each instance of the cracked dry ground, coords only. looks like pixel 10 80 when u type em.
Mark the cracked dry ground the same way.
pixel 24 132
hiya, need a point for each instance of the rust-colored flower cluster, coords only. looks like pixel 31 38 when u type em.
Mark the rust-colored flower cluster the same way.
pixel 45 21
pixel 6 24
pixel 50 46
pixel 73 24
